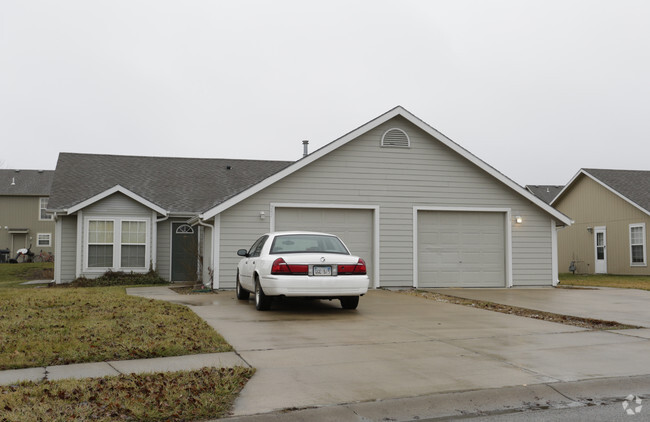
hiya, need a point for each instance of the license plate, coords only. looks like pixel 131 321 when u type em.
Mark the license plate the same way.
pixel 322 270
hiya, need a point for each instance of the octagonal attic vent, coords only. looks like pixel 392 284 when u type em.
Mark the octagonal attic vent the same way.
pixel 395 138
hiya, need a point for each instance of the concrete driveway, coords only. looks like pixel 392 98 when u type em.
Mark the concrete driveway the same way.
pixel 395 345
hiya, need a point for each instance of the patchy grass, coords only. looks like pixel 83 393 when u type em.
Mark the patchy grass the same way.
pixel 50 326
pixel 11 275
pixel 179 396
pixel 606 280
pixel 118 278
pixel 590 323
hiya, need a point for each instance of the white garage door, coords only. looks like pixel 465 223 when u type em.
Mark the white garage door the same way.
pixel 461 249
pixel 353 226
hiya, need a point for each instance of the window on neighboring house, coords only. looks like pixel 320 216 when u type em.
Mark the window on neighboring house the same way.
pixel 637 244
pixel 44 239
pixel 134 244
pixel 42 207
pixel 100 243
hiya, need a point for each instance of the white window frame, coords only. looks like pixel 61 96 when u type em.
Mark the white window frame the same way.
pixel 643 243
pixel 383 137
pixel 47 236
pixel 117 244
pixel 146 241
pixel 48 217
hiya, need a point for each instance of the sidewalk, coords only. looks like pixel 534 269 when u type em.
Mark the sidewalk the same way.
pixel 102 369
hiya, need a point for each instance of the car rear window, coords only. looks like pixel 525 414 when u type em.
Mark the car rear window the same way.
pixel 307 243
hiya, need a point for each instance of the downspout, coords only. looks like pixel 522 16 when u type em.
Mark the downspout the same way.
pixel 154 240
pixel 211 266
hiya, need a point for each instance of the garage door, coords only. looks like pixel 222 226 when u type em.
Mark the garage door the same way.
pixel 353 226
pixel 461 249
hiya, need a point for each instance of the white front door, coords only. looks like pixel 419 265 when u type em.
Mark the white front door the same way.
pixel 600 240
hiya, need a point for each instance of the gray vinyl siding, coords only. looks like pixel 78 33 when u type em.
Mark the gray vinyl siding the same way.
pixel 163 253
pixel 66 258
pixel 115 206
pixel 395 179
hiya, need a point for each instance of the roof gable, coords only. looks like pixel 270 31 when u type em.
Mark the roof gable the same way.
pixel 176 185
pixel 26 182
pixel 397 111
pixel 633 186
pixel 545 192
pixel 111 191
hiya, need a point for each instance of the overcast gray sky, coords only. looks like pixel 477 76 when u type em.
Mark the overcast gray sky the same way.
pixel 537 89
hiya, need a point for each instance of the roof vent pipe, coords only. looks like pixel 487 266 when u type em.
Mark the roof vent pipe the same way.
pixel 305 148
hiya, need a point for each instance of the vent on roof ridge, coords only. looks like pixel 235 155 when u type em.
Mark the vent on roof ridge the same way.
pixel 395 137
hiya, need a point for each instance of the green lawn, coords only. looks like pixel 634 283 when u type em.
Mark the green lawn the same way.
pixel 11 275
pixel 606 280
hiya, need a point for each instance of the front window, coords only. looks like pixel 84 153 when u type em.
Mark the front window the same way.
pixel 116 243
pixel 134 242
pixel 307 243
pixel 42 214
pixel 637 244
pixel 100 243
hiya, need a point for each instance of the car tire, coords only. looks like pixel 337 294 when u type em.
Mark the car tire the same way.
pixel 242 294
pixel 349 302
pixel 262 301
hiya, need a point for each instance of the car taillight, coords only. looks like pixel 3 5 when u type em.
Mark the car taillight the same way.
pixel 281 267
pixel 358 269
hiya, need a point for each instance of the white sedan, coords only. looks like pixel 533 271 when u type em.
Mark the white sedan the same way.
pixel 300 264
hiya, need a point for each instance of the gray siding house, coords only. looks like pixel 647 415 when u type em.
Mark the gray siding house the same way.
pixel 421 210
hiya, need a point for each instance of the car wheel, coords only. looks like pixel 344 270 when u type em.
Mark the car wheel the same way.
pixel 349 302
pixel 242 294
pixel 262 301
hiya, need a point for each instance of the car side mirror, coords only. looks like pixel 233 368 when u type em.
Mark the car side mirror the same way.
pixel 242 252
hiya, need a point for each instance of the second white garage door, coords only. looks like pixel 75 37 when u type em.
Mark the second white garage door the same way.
pixel 461 249
pixel 353 226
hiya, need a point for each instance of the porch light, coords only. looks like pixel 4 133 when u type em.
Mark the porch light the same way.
pixel 518 219
pixel 262 215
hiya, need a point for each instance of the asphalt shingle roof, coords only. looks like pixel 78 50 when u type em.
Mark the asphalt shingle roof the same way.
pixel 545 192
pixel 176 184
pixel 26 182
pixel 632 184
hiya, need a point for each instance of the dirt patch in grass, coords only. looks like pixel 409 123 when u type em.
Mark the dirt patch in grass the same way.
pixel 42 327
pixel 641 282
pixel 196 289
pixel 178 396
pixel 589 323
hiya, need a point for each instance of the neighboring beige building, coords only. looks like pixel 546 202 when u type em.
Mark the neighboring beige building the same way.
pixel 24 197
pixel 611 213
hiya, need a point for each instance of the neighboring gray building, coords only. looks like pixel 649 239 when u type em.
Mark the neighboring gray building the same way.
pixel 23 221
pixel 421 210
pixel 545 192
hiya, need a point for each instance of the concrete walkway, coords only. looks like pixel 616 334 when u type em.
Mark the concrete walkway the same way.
pixel 102 369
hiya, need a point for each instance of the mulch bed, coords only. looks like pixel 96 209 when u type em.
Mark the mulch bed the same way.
pixel 589 323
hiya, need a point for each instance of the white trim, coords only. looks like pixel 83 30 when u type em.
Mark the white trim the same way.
pixel 507 227
pixel 80 245
pixel 554 257
pixel 49 240
pixel 58 228
pixel 397 111
pixel 117 243
pixel 614 191
pixel 376 276
pixel 216 249
pixel 645 254
pixel 111 191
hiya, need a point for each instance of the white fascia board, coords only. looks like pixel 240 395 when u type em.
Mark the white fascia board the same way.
pixel 397 111
pixel 614 191
pixel 111 191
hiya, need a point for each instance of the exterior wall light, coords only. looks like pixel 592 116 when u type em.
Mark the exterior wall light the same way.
pixel 518 219
pixel 590 229
pixel 262 215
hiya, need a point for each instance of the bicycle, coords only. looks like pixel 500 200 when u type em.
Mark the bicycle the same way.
pixel 44 257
